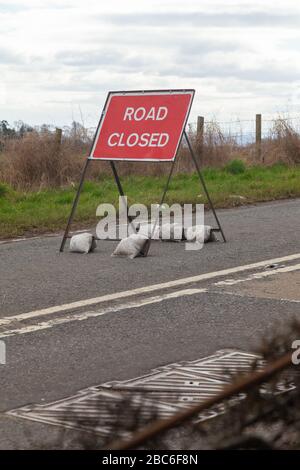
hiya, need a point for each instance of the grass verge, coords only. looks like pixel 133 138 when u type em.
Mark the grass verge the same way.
pixel 23 213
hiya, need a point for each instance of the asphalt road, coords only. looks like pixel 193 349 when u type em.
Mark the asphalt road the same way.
pixel 54 355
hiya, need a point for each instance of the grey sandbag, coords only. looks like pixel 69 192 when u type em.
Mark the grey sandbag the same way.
pixel 82 243
pixel 199 233
pixel 150 231
pixel 172 232
pixel 131 247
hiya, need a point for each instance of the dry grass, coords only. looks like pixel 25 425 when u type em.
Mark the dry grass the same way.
pixel 283 144
pixel 40 159
pixel 217 148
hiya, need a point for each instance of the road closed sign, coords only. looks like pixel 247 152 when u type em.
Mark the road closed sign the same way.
pixel 142 125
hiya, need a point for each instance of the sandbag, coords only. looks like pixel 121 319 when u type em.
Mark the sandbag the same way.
pixel 131 247
pixel 147 230
pixel 82 243
pixel 174 232
pixel 199 233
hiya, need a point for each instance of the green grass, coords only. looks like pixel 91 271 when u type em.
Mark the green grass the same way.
pixel 37 212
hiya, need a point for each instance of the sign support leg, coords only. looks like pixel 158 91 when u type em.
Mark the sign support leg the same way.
pixel 204 186
pixel 74 206
pixel 148 242
pixel 117 179
pixel 120 188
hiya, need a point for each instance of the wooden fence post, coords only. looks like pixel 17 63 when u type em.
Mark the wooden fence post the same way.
pixel 56 154
pixel 58 137
pixel 258 137
pixel 200 136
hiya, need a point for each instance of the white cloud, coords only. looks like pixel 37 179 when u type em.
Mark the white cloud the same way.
pixel 57 57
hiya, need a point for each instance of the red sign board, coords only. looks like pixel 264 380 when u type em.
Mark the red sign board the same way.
pixel 142 125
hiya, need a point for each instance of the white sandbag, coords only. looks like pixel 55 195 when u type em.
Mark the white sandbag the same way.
pixel 199 233
pixel 82 243
pixel 131 246
pixel 172 232
pixel 149 231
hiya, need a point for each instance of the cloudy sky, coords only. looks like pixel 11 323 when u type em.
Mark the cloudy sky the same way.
pixel 58 59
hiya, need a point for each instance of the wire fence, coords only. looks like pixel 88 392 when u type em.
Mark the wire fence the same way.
pixel 245 131
pixel 242 131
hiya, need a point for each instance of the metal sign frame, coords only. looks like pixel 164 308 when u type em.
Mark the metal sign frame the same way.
pixel 146 247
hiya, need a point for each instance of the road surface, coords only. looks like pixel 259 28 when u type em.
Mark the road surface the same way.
pixel 71 321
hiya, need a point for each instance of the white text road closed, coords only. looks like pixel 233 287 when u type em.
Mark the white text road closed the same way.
pixel 142 140
pixel 138 114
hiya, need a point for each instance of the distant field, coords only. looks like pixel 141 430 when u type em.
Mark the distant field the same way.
pixel 43 211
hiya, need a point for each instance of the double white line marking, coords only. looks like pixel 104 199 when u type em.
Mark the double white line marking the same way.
pixel 59 309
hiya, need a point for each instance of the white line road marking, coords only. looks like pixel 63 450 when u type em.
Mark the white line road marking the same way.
pixel 251 295
pixel 261 275
pixel 84 316
pixel 144 290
